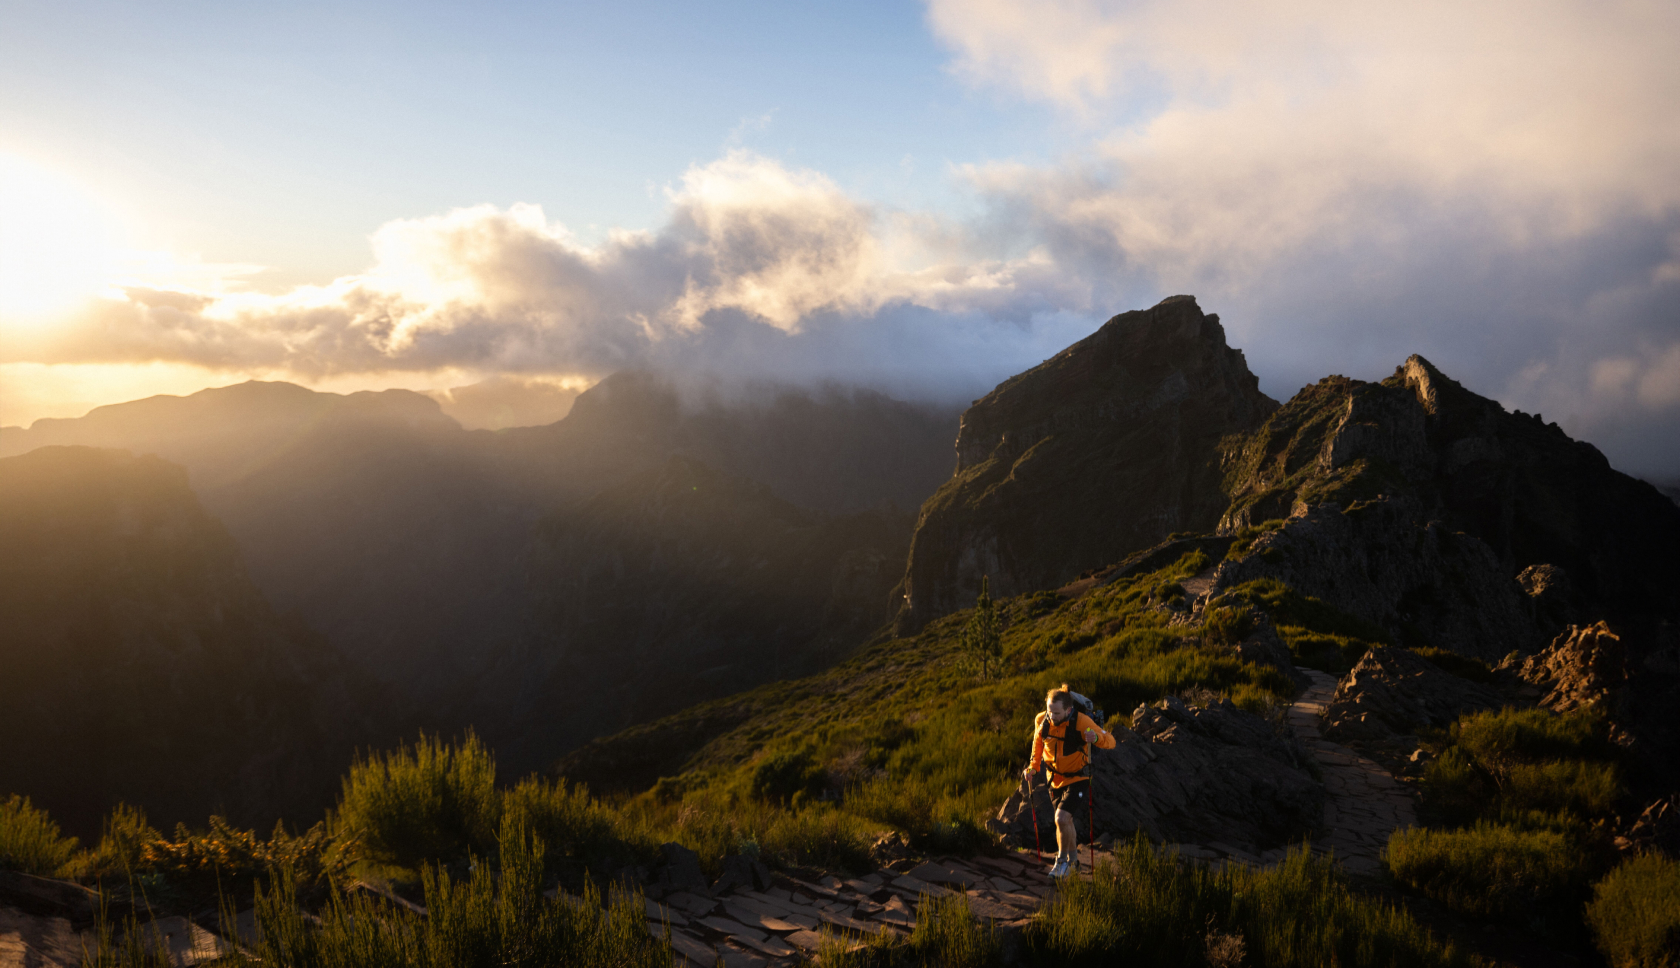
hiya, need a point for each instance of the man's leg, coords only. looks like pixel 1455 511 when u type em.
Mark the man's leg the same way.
pixel 1067 836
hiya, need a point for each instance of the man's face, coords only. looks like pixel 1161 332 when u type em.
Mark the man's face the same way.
pixel 1057 711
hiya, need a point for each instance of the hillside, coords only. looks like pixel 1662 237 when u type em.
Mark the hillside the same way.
pixel 141 664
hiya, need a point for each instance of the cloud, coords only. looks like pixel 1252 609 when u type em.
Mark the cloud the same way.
pixel 760 269
pixel 1489 184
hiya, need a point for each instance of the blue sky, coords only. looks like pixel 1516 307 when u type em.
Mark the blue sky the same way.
pixel 918 197
pixel 283 134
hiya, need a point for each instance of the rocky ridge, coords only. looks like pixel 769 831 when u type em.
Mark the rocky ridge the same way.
pixel 1102 450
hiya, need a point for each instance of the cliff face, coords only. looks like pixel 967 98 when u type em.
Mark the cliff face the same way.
pixel 1098 452
pixel 139 663
pixel 1433 511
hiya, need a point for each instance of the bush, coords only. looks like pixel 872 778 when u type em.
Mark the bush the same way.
pixel 1577 786
pixel 783 777
pixel 1635 913
pixel 31 841
pixel 1459 665
pixel 123 843
pixel 1456 790
pixel 1499 737
pixel 1227 626
pixel 433 801
pixel 579 832
pixel 497 917
pixel 1335 654
pixel 1148 908
pixel 1489 870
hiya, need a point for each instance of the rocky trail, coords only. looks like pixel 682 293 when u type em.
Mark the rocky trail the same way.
pixel 1365 802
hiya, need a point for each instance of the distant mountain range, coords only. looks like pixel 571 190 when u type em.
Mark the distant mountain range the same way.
pixel 526 582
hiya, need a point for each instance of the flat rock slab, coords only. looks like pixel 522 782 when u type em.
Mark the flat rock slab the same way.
pixel 687 947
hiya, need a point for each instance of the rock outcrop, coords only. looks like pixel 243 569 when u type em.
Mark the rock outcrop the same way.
pixel 1631 675
pixel 1395 692
pixel 1189 775
pixel 1420 580
pixel 1457 463
pixel 1102 450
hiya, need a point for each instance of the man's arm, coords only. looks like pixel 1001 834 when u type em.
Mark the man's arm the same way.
pixel 1101 738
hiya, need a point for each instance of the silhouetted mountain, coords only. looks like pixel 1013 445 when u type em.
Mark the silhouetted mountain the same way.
pixel 414 546
pixel 139 663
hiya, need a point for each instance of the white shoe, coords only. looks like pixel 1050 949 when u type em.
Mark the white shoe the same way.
pixel 1060 868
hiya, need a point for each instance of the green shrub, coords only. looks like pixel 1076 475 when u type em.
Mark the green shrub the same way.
pixel 497 917
pixel 1635 913
pixel 1148 908
pixel 1227 626
pixel 31 841
pixel 579 832
pixel 1462 666
pixel 1489 870
pixel 1245 537
pixel 784 776
pixel 1577 786
pixel 1456 790
pixel 1499 737
pixel 433 801
pixel 946 934
pixel 1335 654
pixel 123 842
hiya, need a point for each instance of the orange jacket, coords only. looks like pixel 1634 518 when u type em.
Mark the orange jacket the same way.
pixel 1047 751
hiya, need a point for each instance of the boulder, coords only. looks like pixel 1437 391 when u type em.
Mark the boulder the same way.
pixel 1395 692
pixel 1188 775
pixel 679 870
pixel 742 873
pixel 1584 666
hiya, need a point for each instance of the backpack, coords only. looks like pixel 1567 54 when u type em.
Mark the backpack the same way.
pixel 1074 741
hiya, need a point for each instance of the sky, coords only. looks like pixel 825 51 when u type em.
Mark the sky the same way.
pixel 921 198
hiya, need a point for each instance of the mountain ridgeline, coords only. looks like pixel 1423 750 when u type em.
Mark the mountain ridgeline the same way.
pixel 661 546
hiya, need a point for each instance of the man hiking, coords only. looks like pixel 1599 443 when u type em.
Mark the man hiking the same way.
pixel 1062 738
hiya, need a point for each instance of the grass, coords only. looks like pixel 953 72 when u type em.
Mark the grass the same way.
pixel 1635 913
pixel 1488 870
pixel 946 935
pixel 31 841
pixel 1148 908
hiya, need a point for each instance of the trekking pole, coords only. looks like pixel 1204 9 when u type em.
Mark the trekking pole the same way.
pixel 1091 805
pixel 1038 842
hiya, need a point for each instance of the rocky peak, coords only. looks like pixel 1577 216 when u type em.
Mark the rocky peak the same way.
pixel 1100 451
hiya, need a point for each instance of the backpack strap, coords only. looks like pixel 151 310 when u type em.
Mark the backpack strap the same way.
pixel 1073 741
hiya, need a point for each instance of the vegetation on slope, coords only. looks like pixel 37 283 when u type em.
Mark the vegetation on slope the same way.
pixel 1514 805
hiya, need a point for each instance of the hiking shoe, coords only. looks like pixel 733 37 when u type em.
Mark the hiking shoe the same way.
pixel 1060 869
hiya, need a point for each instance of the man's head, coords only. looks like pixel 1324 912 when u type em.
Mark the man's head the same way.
pixel 1058 703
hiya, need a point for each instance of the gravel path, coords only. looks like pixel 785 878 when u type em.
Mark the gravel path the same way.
pixel 1365 802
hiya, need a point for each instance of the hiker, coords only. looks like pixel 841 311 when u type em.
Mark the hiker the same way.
pixel 1062 736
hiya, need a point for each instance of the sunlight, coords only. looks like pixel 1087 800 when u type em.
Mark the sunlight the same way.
pixel 58 244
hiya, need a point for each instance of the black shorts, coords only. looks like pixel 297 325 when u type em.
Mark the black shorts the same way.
pixel 1072 797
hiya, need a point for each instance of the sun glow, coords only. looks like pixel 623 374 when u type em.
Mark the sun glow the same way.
pixel 59 246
